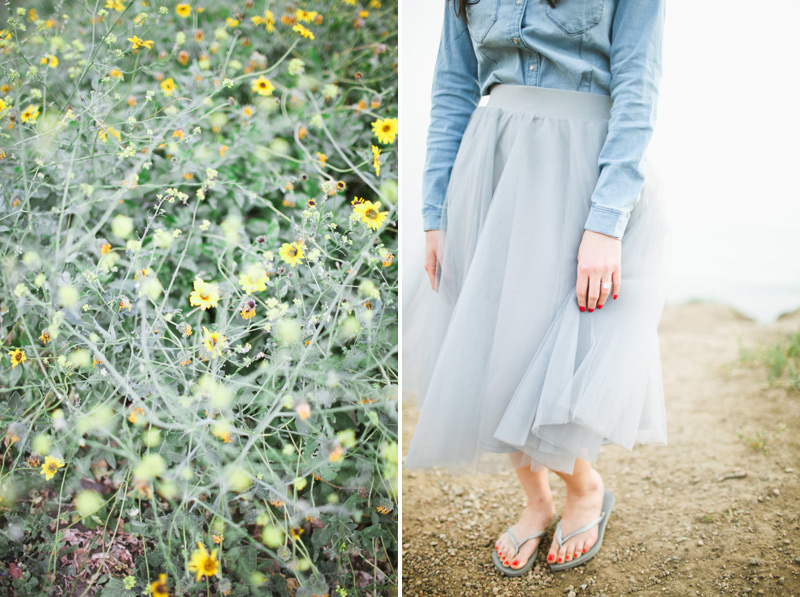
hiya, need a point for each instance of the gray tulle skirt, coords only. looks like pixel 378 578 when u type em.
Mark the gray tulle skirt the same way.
pixel 506 370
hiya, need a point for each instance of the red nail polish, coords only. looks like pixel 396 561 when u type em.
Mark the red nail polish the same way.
pixel 590 310
pixel 551 558
pixel 515 563
pixel 599 306
pixel 585 550
pixel 615 297
pixel 560 559
pixel 583 309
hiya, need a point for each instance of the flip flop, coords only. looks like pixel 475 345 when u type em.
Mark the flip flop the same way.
pixel 602 520
pixel 507 570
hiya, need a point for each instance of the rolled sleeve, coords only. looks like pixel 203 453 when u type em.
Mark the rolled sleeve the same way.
pixel 636 64
pixel 455 94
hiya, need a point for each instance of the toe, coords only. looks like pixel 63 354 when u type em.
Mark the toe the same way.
pixel 552 554
pixel 561 557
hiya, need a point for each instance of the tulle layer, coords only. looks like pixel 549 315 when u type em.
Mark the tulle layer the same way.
pixel 500 359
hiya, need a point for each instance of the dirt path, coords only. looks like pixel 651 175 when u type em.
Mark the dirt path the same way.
pixel 676 528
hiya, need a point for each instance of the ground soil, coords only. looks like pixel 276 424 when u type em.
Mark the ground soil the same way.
pixel 712 513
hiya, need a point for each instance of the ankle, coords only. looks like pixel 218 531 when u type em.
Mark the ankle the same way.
pixel 585 485
pixel 539 502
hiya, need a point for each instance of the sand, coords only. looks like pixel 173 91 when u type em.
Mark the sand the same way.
pixel 709 514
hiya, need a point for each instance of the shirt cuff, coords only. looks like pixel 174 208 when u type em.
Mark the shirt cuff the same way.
pixel 431 219
pixel 605 220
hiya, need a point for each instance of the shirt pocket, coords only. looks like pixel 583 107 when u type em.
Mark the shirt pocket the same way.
pixel 574 17
pixel 481 16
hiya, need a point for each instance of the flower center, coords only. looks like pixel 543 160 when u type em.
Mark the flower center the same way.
pixel 372 214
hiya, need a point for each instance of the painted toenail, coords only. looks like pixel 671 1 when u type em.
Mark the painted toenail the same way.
pixel 560 559
pixel 585 550
pixel 515 563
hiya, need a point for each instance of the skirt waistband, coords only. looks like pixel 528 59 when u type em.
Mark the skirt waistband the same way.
pixel 548 101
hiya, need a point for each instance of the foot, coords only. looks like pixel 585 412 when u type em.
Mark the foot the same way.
pixel 584 503
pixel 535 517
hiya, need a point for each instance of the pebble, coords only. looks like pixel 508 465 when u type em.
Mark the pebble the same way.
pixel 572 594
pixel 776 491
pixel 797 560
pixel 754 562
pixel 700 542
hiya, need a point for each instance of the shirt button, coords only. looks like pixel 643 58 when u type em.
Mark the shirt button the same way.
pixel 516 41
pixel 532 67
pixel 519 1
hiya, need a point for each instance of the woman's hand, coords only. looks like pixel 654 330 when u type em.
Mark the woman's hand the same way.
pixel 432 256
pixel 599 260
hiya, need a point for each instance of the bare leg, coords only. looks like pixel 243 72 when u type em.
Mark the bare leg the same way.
pixel 535 517
pixel 584 502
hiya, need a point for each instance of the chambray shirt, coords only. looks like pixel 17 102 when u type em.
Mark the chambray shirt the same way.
pixel 609 47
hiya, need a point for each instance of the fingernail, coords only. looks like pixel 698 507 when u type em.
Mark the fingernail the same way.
pixel 590 310
pixel 599 306
pixel 615 297
pixel 583 309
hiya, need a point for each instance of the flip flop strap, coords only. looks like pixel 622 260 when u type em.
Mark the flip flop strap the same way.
pixel 518 544
pixel 585 527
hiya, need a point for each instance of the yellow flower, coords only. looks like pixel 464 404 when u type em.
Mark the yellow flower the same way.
pixel 215 342
pixel 204 295
pixel 134 415
pixel 168 87
pixel 248 313
pixel 263 86
pixel 303 411
pixel 303 31
pixel 305 15
pixel 31 113
pixel 229 22
pixel 376 163
pixel 51 466
pixel 292 253
pixel 45 336
pixel 109 130
pixel 115 5
pixel 140 43
pixel 322 157
pixel 183 10
pixel 369 213
pixel 385 129
pixel 204 563
pixel 295 532
pixel 49 59
pixel 159 587
pixel 116 74
pixel 222 432
pixel 17 357
pixel 254 279
pixel 267 20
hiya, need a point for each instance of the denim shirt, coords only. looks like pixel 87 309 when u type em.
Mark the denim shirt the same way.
pixel 610 47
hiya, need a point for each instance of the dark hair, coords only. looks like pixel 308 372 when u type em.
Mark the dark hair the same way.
pixel 462 7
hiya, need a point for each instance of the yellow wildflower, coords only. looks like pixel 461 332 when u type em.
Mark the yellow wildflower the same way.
pixel 215 342
pixel 17 357
pixel 168 87
pixel 267 20
pixel 204 295
pixel 263 86
pixel 304 31
pixel 292 253
pixel 159 587
pixel 203 563
pixel 376 163
pixel 45 336
pixel 50 60
pixel 31 113
pixel 254 279
pixel 115 5
pixel 385 129
pixel 140 43
pixel 51 466
pixel 369 212
pixel 306 16
pixel 183 10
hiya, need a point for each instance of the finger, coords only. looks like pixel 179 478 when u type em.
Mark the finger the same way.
pixel 604 292
pixel 593 293
pixel 581 286
pixel 617 282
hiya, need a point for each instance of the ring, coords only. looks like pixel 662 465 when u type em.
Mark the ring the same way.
pixel 605 284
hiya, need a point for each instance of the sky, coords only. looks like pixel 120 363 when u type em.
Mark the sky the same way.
pixel 725 145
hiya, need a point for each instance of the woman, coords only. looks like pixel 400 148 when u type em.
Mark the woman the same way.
pixel 538 207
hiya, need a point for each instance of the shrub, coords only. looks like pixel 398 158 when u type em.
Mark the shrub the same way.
pixel 198 298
